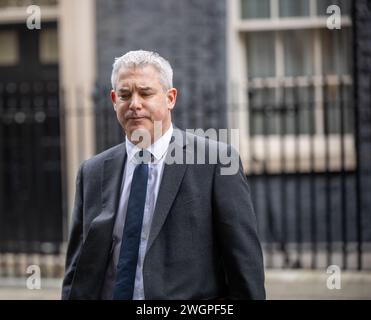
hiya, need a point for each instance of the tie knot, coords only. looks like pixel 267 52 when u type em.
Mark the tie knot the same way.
pixel 144 156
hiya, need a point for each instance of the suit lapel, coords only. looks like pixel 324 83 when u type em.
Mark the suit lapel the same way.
pixel 96 247
pixel 112 180
pixel 171 180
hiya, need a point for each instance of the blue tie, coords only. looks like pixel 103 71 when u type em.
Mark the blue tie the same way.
pixel 127 264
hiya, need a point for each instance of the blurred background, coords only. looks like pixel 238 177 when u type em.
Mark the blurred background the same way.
pixel 298 90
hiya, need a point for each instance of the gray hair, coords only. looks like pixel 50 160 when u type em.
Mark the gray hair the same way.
pixel 141 58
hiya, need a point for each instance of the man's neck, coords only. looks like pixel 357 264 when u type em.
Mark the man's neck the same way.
pixel 155 136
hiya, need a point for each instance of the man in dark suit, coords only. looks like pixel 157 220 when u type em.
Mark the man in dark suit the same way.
pixel 144 227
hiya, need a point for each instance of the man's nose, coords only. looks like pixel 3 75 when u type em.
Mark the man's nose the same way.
pixel 135 102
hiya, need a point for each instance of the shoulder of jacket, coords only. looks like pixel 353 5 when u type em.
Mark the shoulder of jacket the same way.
pixel 101 157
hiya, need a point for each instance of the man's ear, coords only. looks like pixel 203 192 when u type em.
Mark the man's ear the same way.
pixel 113 98
pixel 171 98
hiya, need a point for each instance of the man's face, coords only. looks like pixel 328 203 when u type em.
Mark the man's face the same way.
pixel 140 99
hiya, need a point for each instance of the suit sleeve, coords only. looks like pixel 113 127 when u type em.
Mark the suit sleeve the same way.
pixel 75 237
pixel 236 229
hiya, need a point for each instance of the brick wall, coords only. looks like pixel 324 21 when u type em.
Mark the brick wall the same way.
pixel 189 33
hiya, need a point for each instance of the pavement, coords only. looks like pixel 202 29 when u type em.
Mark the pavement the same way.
pixel 317 285
pixel 280 285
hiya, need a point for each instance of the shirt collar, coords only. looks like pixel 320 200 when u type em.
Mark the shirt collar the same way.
pixel 158 149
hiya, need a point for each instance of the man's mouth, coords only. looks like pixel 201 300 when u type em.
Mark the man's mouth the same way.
pixel 136 118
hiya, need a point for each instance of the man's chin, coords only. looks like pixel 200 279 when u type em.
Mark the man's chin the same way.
pixel 140 135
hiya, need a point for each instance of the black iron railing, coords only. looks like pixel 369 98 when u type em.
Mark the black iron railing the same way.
pixel 300 160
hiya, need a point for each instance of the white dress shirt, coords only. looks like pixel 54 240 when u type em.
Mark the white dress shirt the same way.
pixel 155 171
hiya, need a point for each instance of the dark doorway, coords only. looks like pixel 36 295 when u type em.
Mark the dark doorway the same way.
pixel 31 218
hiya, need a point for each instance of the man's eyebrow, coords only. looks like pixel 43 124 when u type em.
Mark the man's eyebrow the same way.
pixel 126 90
pixel 145 88
pixel 123 90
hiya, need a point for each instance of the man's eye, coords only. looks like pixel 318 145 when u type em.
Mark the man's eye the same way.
pixel 125 96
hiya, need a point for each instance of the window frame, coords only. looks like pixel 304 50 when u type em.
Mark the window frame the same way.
pixel 254 149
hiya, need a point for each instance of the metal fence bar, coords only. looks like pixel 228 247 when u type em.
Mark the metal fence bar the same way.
pixel 2 171
pixel 15 173
pixel 298 210
pixel 63 149
pixel 358 203
pixel 283 180
pixel 327 212
pixel 36 159
pixel 267 188
pixel 24 125
pixel 342 176
pixel 312 179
